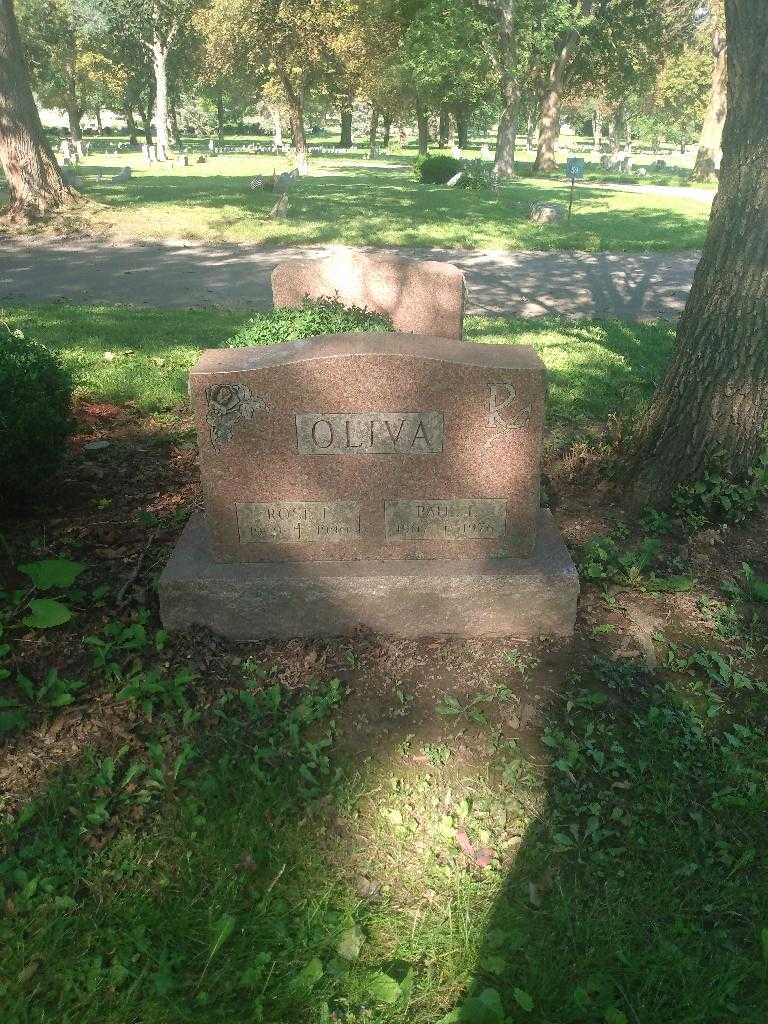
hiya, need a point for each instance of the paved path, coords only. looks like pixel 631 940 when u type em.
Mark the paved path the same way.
pixel 629 286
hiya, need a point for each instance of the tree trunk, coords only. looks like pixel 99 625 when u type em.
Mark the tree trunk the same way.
pixel 530 142
pixel 506 136
pixel 173 121
pixel 345 136
pixel 462 126
pixel 295 98
pixel 422 122
pixel 712 406
pixel 35 185
pixel 712 129
pixel 387 130
pixel 159 64
pixel 220 116
pixel 444 129
pixel 597 129
pixel 549 111
pixel 277 127
pixel 373 133
pixel 146 123
pixel 73 116
pixel 99 125
pixel 130 123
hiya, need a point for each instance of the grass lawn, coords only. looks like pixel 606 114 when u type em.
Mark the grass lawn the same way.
pixel 142 357
pixel 373 831
pixel 350 200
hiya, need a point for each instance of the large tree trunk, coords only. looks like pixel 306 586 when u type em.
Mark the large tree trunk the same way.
pixel 422 123
pixel 35 185
pixel 387 130
pixel 597 129
pixel 506 135
pixel 712 405
pixel 159 65
pixel 345 136
pixel 173 122
pixel 712 129
pixel 549 111
pixel 99 125
pixel 373 133
pixel 130 123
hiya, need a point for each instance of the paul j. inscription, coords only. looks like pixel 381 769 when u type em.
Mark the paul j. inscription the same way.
pixel 445 519
pixel 297 522
pixel 370 433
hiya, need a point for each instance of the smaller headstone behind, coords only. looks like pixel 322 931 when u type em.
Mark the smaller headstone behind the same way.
pixel 454 181
pixel 121 176
pixel 419 296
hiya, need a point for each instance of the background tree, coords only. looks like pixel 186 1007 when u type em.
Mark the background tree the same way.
pixel 714 119
pixel 35 185
pixel 712 405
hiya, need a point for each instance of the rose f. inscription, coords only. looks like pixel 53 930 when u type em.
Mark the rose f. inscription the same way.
pixel 370 433
pixel 297 522
pixel 504 410
pixel 226 404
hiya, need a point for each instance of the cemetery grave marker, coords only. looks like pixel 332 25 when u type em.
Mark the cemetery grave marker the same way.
pixel 389 481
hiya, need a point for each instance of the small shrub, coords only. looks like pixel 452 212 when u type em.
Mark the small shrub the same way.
pixel 35 399
pixel 436 170
pixel 316 316
pixel 479 174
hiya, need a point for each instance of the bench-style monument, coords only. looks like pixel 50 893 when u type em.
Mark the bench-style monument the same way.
pixel 389 481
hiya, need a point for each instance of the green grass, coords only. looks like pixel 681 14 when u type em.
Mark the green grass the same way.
pixel 139 356
pixel 350 200
pixel 237 862
pixel 291 834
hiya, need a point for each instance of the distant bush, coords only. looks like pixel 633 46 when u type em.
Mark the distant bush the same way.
pixel 35 399
pixel 479 174
pixel 316 316
pixel 436 170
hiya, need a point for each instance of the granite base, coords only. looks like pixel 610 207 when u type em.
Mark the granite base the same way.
pixel 520 598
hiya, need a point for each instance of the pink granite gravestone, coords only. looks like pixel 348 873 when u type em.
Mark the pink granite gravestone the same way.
pixel 383 480
pixel 419 296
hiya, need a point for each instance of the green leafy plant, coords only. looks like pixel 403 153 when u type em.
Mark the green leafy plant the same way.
pixel 315 317
pixel 720 498
pixel 35 397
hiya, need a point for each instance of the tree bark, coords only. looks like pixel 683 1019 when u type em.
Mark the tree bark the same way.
pixel 387 130
pixel 99 125
pixel 373 133
pixel 345 135
pixel 712 129
pixel 422 123
pixel 130 123
pixel 712 406
pixel 506 135
pixel 530 142
pixel 35 185
pixel 549 111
